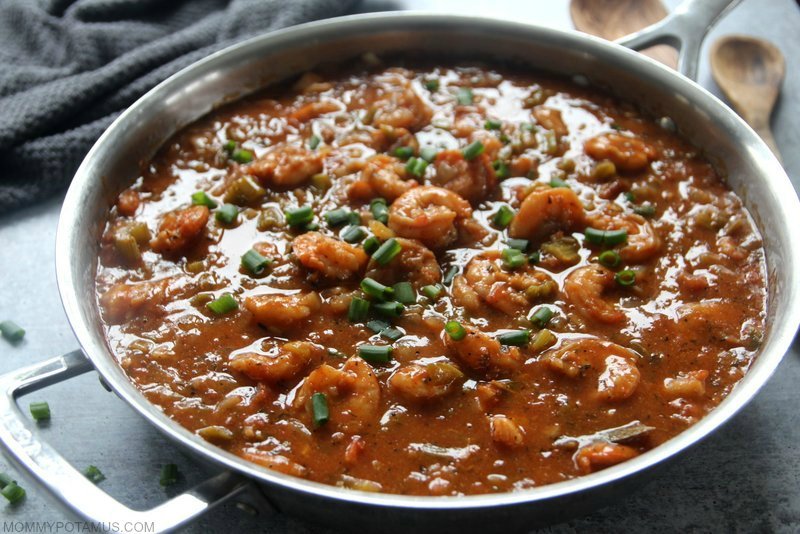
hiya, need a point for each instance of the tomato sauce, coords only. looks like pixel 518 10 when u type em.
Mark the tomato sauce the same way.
pixel 432 280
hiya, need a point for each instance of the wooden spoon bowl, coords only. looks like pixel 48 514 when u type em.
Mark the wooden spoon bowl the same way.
pixel 612 19
pixel 750 72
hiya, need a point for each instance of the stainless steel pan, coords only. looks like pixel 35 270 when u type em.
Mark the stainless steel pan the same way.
pixel 736 150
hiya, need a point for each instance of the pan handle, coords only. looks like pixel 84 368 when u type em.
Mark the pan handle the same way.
pixel 22 442
pixel 684 29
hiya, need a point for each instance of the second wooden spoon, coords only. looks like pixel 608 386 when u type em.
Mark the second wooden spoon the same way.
pixel 750 72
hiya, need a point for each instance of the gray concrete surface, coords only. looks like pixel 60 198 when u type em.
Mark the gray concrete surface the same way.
pixel 744 478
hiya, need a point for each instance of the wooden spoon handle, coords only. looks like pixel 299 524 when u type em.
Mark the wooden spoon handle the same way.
pixel 766 134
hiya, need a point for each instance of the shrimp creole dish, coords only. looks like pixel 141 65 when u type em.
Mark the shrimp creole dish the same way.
pixel 432 280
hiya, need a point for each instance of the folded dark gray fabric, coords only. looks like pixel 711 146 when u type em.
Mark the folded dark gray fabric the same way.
pixel 69 67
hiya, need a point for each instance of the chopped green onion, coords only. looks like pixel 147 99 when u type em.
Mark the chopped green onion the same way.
pixel 404 152
pixel 551 142
pixel 375 353
pixel 230 146
pixel 450 275
pixel 313 141
pixel 513 258
pixel 391 333
pixel 375 289
pixel 543 339
pixel 240 155
pixel 433 292
pixel 464 96
pixel 200 198
pixel 625 277
pixel 379 210
pixel 310 227
pixel 630 196
pixel 333 353
pixel 558 182
pixel 473 150
pixel 11 331
pixel 301 216
pixel 428 153
pixel 503 216
pixel 94 474
pixel 169 475
pixel 227 213
pixel 321 181
pixel 40 411
pixel 385 330
pixel 492 124
pixel 416 166
pixel 353 234
pixel 338 217
pixel 645 210
pixel 224 304
pixel 358 311
pixel 387 251
pixel 319 409
pixel 541 316
pixel 534 257
pixel 371 244
pixel 501 169
pixel 517 338
pixel 615 126
pixel 390 309
pixel 605 237
pixel 13 492
pixel 377 326
pixel 609 258
pixel 519 244
pixel 432 84
pixel 5 480
pixel 254 262
pixel 455 330
pixel 404 292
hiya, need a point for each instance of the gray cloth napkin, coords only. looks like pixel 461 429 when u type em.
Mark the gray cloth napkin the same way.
pixel 69 67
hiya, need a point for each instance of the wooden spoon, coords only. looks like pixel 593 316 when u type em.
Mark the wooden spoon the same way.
pixel 612 19
pixel 750 72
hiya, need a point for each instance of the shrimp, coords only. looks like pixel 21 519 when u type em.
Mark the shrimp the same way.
pixel 472 180
pixel 545 211
pixel 382 176
pixel 122 301
pixel 179 229
pixel 418 382
pixel 643 242
pixel 429 214
pixel 128 202
pixel 353 394
pixel 329 257
pixel 629 154
pixel 312 110
pixel 415 263
pixel 282 312
pixel 617 374
pixel 399 105
pixel 286 166
pixel 689 384
pixel 584 288
pixel 505 431
pixel 482 352
pixel 550 119
pixel 601 454
pixel 511 292
pixel 279 363
pixel 276 462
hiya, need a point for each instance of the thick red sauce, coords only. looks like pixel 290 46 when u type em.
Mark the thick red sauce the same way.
pixel 650 266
